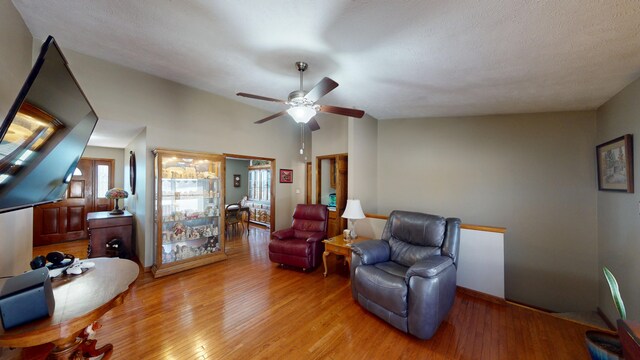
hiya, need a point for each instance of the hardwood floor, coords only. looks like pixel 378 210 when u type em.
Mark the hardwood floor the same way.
pixel 77 248
pixel 247 307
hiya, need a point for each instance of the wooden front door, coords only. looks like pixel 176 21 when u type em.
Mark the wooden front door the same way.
pixel 65 220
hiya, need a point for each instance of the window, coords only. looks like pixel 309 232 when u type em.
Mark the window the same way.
pixel 103 180
pixel 259 183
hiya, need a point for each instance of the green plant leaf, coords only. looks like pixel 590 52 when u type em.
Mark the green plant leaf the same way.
pixel 615 293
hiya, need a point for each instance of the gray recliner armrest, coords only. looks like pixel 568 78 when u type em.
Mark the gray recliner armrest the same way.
pixel 372 251
pixel 428 268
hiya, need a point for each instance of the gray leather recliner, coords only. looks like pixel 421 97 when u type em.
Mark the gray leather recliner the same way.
pixel 408 278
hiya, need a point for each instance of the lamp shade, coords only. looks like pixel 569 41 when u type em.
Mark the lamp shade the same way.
pixel 302 113
pixel 116 193
pixel 353 210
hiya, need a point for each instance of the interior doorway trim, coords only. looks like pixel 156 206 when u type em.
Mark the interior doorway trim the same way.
pixel 272 221
pixel 319 158
pixel 309 176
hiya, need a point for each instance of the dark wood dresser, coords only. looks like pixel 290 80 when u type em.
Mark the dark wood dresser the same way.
pixel 629 331
pixel 104 227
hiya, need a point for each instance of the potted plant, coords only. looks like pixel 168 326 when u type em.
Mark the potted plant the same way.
pixel 603 345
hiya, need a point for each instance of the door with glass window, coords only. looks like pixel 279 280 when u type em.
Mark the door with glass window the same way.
pixel 65 220
pixel 259 194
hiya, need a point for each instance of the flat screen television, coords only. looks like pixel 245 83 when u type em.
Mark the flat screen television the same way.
pixel 44 134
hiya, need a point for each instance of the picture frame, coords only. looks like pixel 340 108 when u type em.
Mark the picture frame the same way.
pixel 132 172
pixel 615 164
pixel 236 180
pixel 286 176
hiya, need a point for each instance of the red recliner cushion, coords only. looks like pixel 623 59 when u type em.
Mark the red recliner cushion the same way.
pixel 316 212
pixel 291 246
pixel 309 219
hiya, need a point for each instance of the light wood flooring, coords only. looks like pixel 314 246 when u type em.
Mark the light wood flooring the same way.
pixel 248 308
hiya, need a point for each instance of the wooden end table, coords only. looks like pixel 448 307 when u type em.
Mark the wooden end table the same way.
pixel 338 246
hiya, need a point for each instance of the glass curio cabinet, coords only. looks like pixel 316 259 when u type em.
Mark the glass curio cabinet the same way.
pixel 189 216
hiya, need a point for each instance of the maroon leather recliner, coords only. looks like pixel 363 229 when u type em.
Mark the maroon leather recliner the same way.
pixel 301 244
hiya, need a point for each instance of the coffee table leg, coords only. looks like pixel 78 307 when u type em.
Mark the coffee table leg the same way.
pixel 324 260
pixel 68 350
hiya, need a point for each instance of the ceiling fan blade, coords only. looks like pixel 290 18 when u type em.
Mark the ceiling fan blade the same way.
pixel 342 111
pixel 260 97
pixel 271 117
pixel 321 89
pixel 313 125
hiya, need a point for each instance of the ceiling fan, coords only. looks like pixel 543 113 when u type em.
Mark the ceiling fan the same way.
pixel 302 105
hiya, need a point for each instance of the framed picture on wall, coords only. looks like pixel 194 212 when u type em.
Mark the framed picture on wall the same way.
pixel 286 175
pixel 132 172
pixel 615 164
pixel 236 180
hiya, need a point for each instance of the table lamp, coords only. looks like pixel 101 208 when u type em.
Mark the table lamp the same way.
pixel 353 212
pixel 117 194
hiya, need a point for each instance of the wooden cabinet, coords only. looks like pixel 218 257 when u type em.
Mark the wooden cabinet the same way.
pixel 104 227
pixel 332 173
pixel 189 214
pixel 629 333
pixel 333 227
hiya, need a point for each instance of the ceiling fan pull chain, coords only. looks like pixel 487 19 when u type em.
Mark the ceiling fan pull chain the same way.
pixel 302 138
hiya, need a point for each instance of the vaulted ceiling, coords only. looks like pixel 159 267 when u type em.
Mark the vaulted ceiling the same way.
pixel 393 59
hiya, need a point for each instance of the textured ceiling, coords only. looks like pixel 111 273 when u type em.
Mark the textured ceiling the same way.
pixel 393 59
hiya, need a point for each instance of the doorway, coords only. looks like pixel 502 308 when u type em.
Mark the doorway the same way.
pixel 331 189
pixel 307 190
pixel 250 183
pixel 66 220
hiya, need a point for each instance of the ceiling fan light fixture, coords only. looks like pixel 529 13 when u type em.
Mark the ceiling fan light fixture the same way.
pixel 302 114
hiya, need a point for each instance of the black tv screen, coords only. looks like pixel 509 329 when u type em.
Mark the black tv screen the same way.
pixel 44 134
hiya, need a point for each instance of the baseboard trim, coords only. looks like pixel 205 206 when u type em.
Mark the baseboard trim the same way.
pixel 480 295
pixel 533 307
pixel 552 313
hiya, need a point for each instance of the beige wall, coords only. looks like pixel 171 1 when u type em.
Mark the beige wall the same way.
pixel 363 162
pixel 137 203
pixel 15 55
pixel 179 117
pixel 618 213
pixel 98 152
pixel 533 174
pixel 15 64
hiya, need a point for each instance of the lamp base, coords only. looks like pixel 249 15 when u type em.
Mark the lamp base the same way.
pixel 116 210
pixel 352 231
